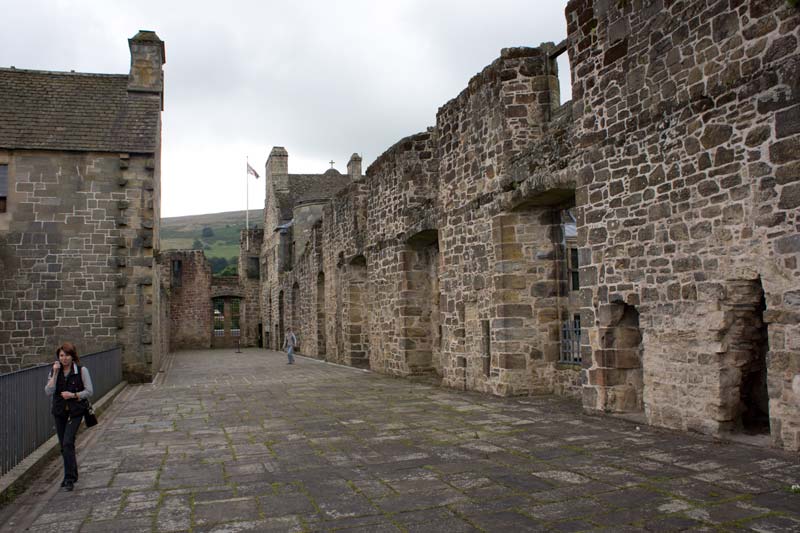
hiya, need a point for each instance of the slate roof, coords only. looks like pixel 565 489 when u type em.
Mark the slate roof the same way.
pixel 309 188
pixel 76 111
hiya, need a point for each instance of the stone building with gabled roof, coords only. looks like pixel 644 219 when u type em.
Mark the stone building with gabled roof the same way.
pixel 79 211
pixel 293 208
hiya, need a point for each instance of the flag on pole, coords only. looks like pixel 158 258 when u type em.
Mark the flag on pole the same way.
pixel 251 170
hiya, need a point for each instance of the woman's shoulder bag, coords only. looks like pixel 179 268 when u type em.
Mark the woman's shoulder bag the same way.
pixel 89 415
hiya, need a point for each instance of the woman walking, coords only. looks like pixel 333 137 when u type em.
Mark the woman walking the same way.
pixel 69 384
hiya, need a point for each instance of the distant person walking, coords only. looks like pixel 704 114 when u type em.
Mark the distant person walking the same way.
pixel 70 386
pixel 288 344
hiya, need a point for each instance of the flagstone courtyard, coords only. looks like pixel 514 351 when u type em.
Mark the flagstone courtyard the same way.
pixel 230 442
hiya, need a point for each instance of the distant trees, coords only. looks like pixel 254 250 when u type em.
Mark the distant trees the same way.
pixel 230 270
pixel 217 264
pixel 207 232
pixel 224 267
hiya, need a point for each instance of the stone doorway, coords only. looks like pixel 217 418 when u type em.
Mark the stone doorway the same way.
pixel 744 398
pixel 226 321
pixel 619 373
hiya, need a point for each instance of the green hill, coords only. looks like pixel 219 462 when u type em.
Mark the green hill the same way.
pixel 215 233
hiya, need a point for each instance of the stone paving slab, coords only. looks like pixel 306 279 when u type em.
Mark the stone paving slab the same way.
pixel 228 442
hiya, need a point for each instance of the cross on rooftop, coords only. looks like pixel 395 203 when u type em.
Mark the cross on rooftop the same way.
pixel 331 162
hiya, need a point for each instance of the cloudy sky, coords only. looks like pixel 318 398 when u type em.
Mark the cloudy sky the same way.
pixel 322 78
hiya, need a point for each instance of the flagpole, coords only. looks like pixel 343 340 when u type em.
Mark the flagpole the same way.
pixel 247 202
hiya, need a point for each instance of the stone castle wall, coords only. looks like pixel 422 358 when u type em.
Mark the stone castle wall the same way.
pixel 80 228
pixel 250 273
pixel 77 257
pixel 489 251
pixel 386 289
pixel 678 157
pixel 688 144
pixel 189 298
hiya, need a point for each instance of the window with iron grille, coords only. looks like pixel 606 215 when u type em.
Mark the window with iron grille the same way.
pixel 219 317
pixel 3 187
pixel 571 340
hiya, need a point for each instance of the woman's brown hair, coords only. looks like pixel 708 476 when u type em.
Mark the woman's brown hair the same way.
pixel 69 349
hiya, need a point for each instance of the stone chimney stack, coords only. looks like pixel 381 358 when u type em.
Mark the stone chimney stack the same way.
pixel 278 168
pixel 354 167
pixel 147 59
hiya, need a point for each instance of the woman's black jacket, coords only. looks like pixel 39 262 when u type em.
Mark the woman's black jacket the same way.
pixel 72 382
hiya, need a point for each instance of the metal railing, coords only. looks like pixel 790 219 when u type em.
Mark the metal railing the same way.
pixel 25 419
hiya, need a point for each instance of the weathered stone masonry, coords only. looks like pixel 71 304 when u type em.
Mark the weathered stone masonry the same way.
pixel 678 158
pixel 688 157
pixel 204 310
pixel 80 232
pixel 405 256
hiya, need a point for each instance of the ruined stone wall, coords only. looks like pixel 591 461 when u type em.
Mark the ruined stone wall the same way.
pixel 189 298
pixel 402 270
pixel 488 268
pixel 340 241
pixel 249 279
pixel 533 284
pixel 299 288
pixel 679 156
pixel 689 146
pixel 162 324
pixel 76 256
pixel 402 232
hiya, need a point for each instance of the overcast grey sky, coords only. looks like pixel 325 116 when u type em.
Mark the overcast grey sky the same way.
pixel 322 78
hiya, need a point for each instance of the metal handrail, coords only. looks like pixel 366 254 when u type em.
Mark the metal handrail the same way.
pixel 25 419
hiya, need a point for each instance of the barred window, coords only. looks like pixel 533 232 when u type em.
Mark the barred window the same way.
pixel 571 340
pixel 218 306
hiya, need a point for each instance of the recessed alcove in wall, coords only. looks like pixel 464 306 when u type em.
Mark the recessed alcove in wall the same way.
pixel 357 332
pixel 744 399
pixel 421 334
pixel 618 360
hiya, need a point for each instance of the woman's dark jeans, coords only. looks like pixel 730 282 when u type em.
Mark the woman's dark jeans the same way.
pixel 67 429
